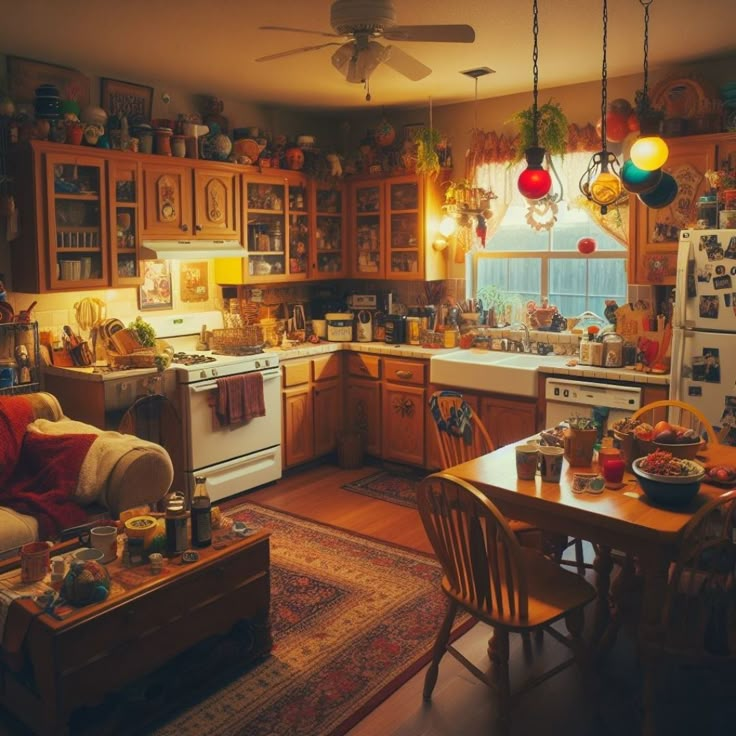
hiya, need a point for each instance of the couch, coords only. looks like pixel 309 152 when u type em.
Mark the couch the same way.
pixel 88 472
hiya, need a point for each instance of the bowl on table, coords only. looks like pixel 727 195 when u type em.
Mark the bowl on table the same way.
pixel 670 490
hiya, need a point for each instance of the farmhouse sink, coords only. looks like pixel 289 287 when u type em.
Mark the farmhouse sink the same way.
pixel 491 370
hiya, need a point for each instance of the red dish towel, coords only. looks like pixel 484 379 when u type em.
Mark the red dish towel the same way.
pixel 240 398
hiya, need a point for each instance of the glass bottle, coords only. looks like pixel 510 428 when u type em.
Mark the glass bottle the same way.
pixel 176 526
pixel 201 521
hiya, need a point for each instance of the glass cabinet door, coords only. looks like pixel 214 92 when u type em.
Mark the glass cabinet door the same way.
pixel 404 227
pixel 77 225
pixel 125 194
pixel 298 229
pixel 329 260
pixel 367 229
pixel 266 228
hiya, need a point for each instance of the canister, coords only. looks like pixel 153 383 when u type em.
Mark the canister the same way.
pixel 364 326
pixel 7 372
pixel 395 329
pixel 613 350
pixel 596 353
pixel 339 326
pixel 413 330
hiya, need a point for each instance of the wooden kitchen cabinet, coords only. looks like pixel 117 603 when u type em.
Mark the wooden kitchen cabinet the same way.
pixel 62 201
pixel 654 233
pixel 328 253
pixel 363 399
pixel 403 410
pixel 393 221
pixel 186 201
pixel 508 420
pixel 125 188
pixel 311 407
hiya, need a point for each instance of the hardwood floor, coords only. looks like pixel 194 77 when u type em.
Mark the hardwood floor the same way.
pixel 461 705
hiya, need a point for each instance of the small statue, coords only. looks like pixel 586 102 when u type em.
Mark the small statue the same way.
pixel 24 364
pixel 610 311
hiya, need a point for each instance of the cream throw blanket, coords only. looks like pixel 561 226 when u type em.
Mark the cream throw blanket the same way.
pixel 104 453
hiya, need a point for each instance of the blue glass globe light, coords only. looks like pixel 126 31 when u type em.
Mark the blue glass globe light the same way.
pixel 662 195
pixel 638 181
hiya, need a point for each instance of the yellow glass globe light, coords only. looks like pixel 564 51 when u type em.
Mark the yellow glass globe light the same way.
pixel 606 188
pixel 649 153
pixel 448 225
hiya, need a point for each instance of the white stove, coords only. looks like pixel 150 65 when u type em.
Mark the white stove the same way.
pixel 235 457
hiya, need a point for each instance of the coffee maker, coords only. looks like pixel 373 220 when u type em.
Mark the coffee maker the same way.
pixel 363 307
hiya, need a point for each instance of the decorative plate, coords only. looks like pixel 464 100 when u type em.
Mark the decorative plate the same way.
pixel 680 98
pixel 247 147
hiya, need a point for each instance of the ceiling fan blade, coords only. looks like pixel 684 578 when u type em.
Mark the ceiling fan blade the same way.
pixel 444 33
pixel 298 30
pixel 405 64
pixel 291 52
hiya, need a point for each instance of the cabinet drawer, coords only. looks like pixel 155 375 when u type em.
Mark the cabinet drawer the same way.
pixel 366 366
pixel 325 367
pixel 404 371
pixel 296 372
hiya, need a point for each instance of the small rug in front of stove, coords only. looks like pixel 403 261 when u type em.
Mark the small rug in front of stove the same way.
pixel 397 487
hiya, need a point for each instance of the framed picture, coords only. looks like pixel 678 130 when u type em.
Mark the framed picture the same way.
pixel 24 75
pixel 155 291
pixel 123 99
pixel 193 281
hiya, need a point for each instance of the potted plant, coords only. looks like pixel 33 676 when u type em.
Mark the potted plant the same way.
pixel 579 441
pixel 427 159
pixel 496 305
pixel 551 130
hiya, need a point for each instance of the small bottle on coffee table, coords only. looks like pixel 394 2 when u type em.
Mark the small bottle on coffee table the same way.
pixel 201 507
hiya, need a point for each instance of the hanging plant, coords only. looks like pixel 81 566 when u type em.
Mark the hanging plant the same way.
pixel 428 160
pixel 552 129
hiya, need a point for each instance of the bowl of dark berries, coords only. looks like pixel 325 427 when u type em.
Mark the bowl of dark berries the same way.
pixel 667 480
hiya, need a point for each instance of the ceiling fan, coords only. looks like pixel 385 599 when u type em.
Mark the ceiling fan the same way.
pixel 363 21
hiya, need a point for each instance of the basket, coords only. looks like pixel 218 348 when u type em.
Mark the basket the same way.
pixel 238 340
pixel 139 359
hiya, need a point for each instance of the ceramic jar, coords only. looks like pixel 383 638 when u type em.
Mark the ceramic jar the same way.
pixel 74 133
pixel 163 141
pixel 145 140
pixel 179 146
pixel 47 103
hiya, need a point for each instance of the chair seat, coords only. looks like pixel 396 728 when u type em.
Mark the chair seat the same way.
pixel 552 590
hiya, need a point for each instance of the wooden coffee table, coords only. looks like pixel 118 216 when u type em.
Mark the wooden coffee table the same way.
pixel 145 622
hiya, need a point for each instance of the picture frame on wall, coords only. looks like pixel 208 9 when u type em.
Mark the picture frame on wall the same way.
pixel 126 100
pixel 155 292
pixel 193 281
pixel 25 75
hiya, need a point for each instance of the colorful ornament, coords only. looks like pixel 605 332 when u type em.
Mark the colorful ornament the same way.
pixel 587 245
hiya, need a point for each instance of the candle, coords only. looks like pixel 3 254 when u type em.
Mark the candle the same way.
pixel 613 472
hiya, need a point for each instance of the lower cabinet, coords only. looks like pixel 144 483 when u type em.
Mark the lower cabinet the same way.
pixel 311 407
pixel 508 420
pixel 403 410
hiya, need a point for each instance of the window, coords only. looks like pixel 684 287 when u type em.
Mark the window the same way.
pixel 546 263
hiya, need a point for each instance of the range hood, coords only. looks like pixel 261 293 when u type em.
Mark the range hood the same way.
pixel 191 249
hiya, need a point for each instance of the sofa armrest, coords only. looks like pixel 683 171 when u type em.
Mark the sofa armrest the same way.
pixel 141 476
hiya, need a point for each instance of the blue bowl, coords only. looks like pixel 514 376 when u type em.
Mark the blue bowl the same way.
pixel 669 490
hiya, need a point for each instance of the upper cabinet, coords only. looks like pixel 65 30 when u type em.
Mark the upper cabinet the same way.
pixel 654 233
pixel 329 232
pixel 390 230
pixel 63 240
pixel 125 190
pixel 184 201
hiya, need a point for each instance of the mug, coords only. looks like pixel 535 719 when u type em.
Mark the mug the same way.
pixel 550 463
pixel 87 554
pixel 104 538
pixel 35 561
pixel 526 461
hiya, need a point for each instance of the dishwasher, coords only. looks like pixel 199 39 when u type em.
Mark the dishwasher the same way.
pixel 605 402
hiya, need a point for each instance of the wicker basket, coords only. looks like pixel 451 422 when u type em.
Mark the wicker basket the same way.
pixel 139 359
pixel 238 340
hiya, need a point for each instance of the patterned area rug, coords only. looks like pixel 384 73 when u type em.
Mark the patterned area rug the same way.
pixel 392 486
pixel 352 618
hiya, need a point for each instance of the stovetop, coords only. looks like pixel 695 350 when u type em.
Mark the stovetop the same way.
pixel 186 359
pixel 196 365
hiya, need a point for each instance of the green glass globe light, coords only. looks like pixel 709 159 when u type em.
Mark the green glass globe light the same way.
pixel 662 195
pixel 638 181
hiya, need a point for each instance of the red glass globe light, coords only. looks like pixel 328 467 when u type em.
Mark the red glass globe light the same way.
pixel 535 181
pixel 616 127
pixel 586 246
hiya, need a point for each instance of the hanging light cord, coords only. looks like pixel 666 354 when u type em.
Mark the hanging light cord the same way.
pixel 604 76
pixel 645 89
pixel 535 69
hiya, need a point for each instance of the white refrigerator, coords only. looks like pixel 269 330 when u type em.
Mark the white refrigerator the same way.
pixel 704 327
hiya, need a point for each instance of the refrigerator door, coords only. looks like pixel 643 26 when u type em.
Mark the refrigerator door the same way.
pixel 706 276
pixel 705 377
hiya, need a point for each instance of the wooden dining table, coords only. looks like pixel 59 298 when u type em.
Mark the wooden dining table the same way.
pixel 623 520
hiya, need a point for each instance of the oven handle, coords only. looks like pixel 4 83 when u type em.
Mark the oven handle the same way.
pixel 212 385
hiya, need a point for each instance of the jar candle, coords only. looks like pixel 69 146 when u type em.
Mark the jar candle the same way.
pixel 613 472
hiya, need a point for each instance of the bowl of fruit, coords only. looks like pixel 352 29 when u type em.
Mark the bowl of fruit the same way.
pixel 720 475
pixel 680 441
pixel 668 480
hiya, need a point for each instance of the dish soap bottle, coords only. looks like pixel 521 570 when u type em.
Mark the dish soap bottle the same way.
pixel 201 507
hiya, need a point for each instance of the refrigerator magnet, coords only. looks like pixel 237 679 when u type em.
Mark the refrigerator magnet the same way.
pixel 722 282
pixel 727 300
pixel 731 250
pixel 712 373
pixel 708 307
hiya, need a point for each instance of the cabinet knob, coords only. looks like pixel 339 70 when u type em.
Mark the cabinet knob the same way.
pixel 197 227
pixel 185 227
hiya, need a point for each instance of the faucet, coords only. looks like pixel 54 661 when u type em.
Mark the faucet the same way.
pixel 526 343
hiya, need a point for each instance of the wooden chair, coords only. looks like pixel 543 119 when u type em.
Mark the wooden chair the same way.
pixel 461 436
pixel 698 624
pixel 678 412
pixel 490 575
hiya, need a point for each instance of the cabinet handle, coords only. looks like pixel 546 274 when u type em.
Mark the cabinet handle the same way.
pixel 406 375
pixel 185 227
pixel 197 227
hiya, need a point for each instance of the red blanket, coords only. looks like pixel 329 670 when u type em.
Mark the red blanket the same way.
pixel 39 472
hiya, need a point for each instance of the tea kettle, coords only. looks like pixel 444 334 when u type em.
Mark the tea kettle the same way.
pixel 364 326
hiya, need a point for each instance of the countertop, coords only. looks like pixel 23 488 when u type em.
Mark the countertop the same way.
pixel 379 348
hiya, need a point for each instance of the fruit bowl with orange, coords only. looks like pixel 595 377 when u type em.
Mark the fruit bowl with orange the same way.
pixel 680 441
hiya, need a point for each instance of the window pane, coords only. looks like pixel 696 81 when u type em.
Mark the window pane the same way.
pixel 493 271
pixel 516 235
pixel 525 278
pixel 607 280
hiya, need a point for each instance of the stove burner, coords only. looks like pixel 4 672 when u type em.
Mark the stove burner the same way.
pixel 189 359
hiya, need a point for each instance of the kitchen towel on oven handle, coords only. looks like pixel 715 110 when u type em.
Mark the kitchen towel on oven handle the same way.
pixel 239 398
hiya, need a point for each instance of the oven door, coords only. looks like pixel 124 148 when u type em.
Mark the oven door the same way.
pixel 209 444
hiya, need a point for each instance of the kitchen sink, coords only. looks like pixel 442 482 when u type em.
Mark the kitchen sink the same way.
pixel 491 370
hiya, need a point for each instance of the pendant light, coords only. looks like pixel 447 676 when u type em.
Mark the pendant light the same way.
pixel 535 181
pixel 600 183
pixel 649 151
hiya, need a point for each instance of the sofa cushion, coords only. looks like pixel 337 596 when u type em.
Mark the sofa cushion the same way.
pixel 17 529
